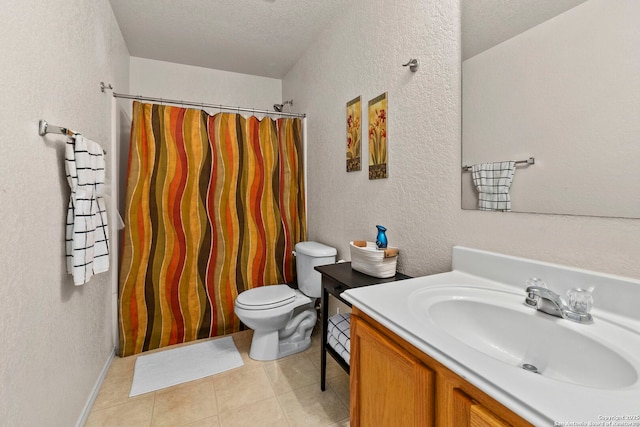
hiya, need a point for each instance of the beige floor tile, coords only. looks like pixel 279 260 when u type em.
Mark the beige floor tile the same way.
pixel 333 369
pixel 314 356
pixel 185 403
pixel 291 373
pixel 115 391
pixel 243 344
pixel 309 406
pixel 266 413
pixel 240 387
pixel 207 422
pixel 248 361
pixel 316 339
pixel 340 384
pixel 243 336
pixel 121 367
pixel 343 423
pixel 232 398
pixel 135 413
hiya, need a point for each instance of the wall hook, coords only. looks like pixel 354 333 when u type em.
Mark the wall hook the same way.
pixel 413 65
pixel 104 86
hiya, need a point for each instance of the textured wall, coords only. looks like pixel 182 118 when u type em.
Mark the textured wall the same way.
pixel 185 82
pixel 55 337
pixel 361 54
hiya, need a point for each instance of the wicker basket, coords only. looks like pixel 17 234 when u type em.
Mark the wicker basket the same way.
pixel 368 259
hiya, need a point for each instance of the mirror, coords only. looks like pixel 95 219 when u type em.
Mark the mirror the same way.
pixel 556 80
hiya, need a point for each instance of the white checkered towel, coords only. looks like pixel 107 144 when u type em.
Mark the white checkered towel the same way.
pixel 493 181
pixel 339 335
pixel 87 234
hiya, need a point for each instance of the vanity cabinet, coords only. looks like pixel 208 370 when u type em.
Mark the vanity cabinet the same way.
pixel 467 412
pixel 395 384
pixel 389 387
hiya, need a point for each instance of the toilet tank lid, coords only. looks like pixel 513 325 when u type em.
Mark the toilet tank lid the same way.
pixel 315 249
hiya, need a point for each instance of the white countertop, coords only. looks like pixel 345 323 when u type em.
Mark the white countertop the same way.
pixel 536 398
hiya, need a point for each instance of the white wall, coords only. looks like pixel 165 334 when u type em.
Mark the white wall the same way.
pixel 159 79
pixel 55 337
pixel 361 54
pixel 568 95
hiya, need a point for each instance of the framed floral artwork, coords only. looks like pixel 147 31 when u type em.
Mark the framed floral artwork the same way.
pixel 354 135
pixel 378 137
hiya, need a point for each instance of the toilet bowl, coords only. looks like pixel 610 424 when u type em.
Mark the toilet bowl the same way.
pixel 283 318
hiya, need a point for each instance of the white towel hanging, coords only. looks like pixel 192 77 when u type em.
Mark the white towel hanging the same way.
pixel 493 181
pixel 87 234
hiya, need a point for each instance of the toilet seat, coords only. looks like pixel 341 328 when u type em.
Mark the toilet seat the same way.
pixel 266 297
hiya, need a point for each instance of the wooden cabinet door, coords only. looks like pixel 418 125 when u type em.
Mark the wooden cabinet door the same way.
pixel 389 387
pixel 468 412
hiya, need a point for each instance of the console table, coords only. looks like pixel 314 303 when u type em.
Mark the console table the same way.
pixel 337 278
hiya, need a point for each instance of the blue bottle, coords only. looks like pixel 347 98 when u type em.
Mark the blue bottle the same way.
pixel 381 239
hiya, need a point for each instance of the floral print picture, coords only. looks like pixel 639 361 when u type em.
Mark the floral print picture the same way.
pixel 354 135
pixel 378 137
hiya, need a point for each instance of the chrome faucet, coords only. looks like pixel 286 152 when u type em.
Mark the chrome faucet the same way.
pixel 547 301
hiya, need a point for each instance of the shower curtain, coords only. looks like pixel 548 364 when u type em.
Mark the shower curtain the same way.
pixel 215 205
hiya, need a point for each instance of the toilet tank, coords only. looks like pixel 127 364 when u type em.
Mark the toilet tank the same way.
pixel 309 255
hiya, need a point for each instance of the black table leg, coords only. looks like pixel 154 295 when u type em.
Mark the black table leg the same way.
pixel 323 350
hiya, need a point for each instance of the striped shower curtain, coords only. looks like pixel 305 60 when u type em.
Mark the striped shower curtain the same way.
pixel 215 205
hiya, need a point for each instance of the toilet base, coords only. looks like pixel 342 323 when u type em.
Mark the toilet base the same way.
pixel 263 351
pixel 289 348
pixel 293 338
pixel 264 345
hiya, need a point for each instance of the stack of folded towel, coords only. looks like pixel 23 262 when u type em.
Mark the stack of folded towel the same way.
pixel 339 335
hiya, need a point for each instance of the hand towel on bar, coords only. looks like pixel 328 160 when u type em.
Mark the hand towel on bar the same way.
pixel 493 181
pixel 87 243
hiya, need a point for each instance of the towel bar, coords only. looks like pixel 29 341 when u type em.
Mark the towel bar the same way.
pixel 529 161
pixel 45 128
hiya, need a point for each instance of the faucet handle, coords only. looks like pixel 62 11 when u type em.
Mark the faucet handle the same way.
pixel 580 300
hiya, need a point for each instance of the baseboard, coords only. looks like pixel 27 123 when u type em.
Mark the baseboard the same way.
pixel 96 389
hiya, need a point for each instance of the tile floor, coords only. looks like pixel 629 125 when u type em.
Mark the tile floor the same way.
pixel 283 392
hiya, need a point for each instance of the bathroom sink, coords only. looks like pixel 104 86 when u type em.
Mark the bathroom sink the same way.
pixel 474 321
pixel 497 324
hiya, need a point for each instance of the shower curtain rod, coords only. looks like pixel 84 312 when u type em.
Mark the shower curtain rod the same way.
pixel 204 105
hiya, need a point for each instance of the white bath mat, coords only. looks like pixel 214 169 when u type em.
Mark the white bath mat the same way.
pixel 170 367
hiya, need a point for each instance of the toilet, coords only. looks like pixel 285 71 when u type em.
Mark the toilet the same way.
pixel 283 318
